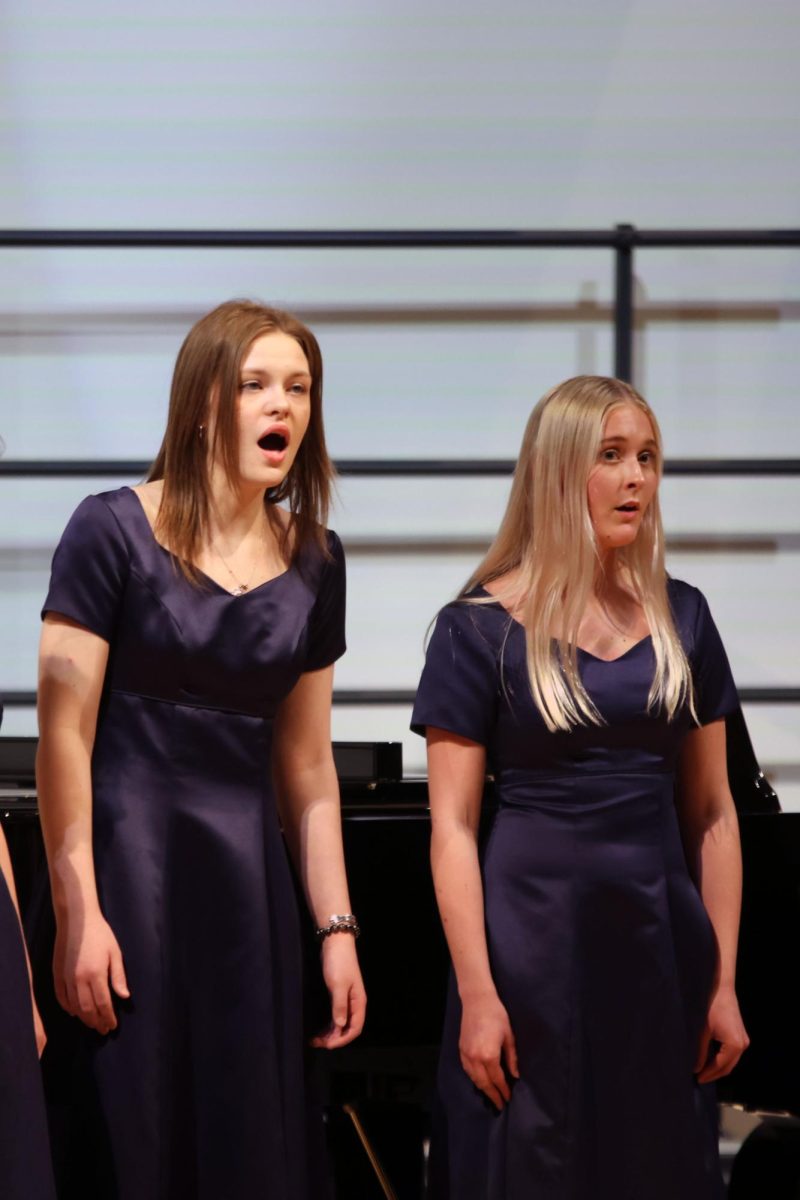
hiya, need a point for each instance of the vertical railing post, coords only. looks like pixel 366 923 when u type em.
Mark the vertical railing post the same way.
pixel 623 303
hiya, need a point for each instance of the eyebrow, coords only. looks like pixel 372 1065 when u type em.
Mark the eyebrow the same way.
pixel 620 438
pixel 264 373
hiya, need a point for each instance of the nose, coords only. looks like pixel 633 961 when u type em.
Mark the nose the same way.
pixel 276 402
pixel 635 474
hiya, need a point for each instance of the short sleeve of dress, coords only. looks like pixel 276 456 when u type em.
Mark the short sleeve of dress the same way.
pixel 458 688
pixel 715 691
pixel 90 569
pixel 326 639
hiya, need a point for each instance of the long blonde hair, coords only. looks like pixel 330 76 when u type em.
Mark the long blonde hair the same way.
pixel 211 358
pixel 547 538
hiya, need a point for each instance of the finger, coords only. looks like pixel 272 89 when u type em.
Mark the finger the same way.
pixel 331 1038
pixel 61 993
pixel 358 1011
pixel 119 981
pixel 103 1005
pixel 71 992
pixel 347 1036
pixel 702 1049
pixel 510 1054
pixel 498 1079
pixel 87 1010
pixel 340 1006
pixel 485 1085
pixel 721 1064
pixel 490 1077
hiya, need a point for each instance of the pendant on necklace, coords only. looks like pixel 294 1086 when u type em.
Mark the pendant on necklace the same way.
pixel 240 590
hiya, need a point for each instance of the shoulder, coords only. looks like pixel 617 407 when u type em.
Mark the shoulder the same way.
pixel 473 620
pixel 685 599
pixel 327 552
pixel 332 572
pixel 310 544
pixel 459 686
pixel 147 495
pixel 333 545
pixel 324 577
pixel 320 565
pixel 102 515
pixel 690 612
pixel 92 563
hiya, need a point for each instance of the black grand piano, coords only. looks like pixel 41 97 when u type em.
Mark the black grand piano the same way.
pixel 377 1092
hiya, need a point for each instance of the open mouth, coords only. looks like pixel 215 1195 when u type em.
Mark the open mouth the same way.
pixel 631 507
pixel 274 441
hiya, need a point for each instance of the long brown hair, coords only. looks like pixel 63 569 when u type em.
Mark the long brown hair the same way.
pixel 210 360
pixel 547 538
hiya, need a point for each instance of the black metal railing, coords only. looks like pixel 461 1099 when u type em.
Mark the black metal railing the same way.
pixel 392 467
pixel 623 241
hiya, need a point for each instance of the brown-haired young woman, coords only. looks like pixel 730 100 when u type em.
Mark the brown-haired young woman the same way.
pixel 185 685
pixel 594 944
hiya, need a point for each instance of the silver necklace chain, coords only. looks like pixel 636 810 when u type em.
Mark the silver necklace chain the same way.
pixel 624 633
pixel 241 587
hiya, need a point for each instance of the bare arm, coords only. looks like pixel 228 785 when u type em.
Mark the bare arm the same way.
pixel 72 666
pixel 711 836
pixel 456 771
pixel 308 795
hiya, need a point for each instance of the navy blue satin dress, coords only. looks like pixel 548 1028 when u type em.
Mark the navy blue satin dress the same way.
pixel 201 1090
pixel 600 946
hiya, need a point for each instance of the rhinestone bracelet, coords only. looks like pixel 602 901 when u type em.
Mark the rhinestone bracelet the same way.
pixel 339 923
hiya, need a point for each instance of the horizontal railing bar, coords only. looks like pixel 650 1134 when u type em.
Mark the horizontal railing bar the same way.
pixel 489 467
pixel 387 239
pixel 22 468
pixel 728 238
pixel 372 697
pixel 391 467
pixel 769 695
pixel 732 466
pixel 375 697
pixel 345 239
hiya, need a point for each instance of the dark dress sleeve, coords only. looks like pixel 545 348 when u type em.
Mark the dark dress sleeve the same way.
pixel 90 569
pixel 458 688
pixel 326 640
pixel 715 691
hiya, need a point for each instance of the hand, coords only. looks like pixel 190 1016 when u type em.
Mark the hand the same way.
pixel 348 999
pixel 38 1028
pixel 724 1026
pixel 87 956
pixel 486 1040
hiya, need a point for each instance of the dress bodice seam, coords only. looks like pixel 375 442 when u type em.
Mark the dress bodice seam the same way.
pixel 188 703
pixel 531 775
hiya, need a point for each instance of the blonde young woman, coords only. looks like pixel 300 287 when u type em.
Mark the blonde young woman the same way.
pixel 187 654
pixel 594 941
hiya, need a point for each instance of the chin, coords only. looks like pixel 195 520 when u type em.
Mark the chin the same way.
pixel 266 477
pixel 620 539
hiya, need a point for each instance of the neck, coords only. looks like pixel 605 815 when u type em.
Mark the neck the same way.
pixel 606 577
pixel 234 513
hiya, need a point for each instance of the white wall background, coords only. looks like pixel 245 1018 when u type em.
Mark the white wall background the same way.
pixel 430 115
